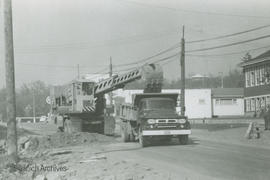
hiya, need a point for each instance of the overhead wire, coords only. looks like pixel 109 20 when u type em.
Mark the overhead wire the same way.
pixel 196 41
pixel 229 35
pixel 226 54
pixel 194 11
pixel 175 46
pixel 230 44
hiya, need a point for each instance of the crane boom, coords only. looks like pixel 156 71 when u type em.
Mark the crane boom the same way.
pixel 151 73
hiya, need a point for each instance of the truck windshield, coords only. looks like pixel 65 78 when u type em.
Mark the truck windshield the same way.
pixel 160 104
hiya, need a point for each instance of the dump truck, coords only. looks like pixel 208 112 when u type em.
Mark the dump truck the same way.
pixel 153 116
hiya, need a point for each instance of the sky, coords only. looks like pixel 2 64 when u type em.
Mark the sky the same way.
pixel 51 37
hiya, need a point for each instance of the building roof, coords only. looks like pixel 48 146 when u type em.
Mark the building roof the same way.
pixel 263 55
pixel 260 58
pixel 227 92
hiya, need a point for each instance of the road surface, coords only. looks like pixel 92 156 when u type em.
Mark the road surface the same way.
pixel 222 154
pixel 202 159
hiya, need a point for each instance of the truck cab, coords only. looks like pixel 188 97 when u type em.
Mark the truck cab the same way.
pixel 155 117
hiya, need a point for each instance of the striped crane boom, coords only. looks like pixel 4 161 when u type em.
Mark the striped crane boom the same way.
pixel 151 73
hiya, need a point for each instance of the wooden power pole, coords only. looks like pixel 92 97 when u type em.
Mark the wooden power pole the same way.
pixel 182 64
pixel 10 82
pixel 34 107
pixel 110 74
pixel 78 71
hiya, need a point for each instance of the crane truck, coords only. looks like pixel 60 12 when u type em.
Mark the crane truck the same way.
pixel 80 105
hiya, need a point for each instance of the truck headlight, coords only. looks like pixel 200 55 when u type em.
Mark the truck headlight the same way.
pixel 151 121
pixel 182 121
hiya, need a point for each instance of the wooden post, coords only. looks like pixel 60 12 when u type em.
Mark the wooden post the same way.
pixel 78 71
pixel 10 82
pixel 182 64
pixel 110 74
pixel 34 107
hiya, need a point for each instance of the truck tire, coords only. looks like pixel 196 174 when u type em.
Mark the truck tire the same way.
pixel 132 137
pixel 183 139
pixel 67 126
pixel 143 141
pixel 124 134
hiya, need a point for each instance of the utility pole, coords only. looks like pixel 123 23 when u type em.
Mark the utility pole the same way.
pixel 221 76
pixel 110 74
pixel 10 83
pixel 182 64
pixel 78 70
pixel 34 107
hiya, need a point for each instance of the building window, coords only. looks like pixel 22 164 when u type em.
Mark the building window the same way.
pixel 257 76
pixel 267 100
pixel 226 101
pixel 262 75
pixel 258 104
pixel 263 103
pixel 252 78
pixel 252 104
pixel 267 74
pixel 247 73
pixel 248 105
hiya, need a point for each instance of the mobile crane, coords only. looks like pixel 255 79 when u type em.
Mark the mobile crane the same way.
pixel 80 104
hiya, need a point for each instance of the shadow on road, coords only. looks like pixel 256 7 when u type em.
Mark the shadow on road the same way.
pixel 175 142
pixel 218 127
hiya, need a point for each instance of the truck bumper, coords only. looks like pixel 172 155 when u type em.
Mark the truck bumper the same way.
pixel 165 132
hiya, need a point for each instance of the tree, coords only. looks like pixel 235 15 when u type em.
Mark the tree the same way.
pixel 235 79
pixel 247 57
pixel 25 99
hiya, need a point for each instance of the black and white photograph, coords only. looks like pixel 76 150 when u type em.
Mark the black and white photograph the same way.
pixel 134 89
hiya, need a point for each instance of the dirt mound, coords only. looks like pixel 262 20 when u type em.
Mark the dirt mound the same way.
pixel 21 132
pixel 65 139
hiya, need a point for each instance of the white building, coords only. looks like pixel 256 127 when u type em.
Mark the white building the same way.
pixel 198 101
pixel 228 101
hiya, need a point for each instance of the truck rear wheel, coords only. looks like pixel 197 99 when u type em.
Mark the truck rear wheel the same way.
pixel 183 139
pixel 67 126
pixel 131 137
pixel 124 134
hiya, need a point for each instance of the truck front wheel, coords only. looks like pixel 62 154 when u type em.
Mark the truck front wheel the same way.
pixel 183 139
pixel 143 141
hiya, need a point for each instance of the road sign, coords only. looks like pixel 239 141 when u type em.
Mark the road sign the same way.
pixel 48 100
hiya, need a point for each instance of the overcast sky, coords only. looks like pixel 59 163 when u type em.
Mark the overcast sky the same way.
pixel 52 36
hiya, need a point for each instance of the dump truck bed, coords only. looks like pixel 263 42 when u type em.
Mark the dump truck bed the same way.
pixel 141 96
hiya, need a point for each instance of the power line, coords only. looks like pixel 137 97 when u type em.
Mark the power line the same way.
pixel 228 45
pixel 49 66
pixel 166 58
pixel 156 61
pixel 87 45
pixel 229 35
pixel 195 41
pixel 177 45
pixel 196 12
pixel 54 66
pixel 226 54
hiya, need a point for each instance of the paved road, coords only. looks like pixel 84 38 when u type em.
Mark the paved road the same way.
pixel 202 160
